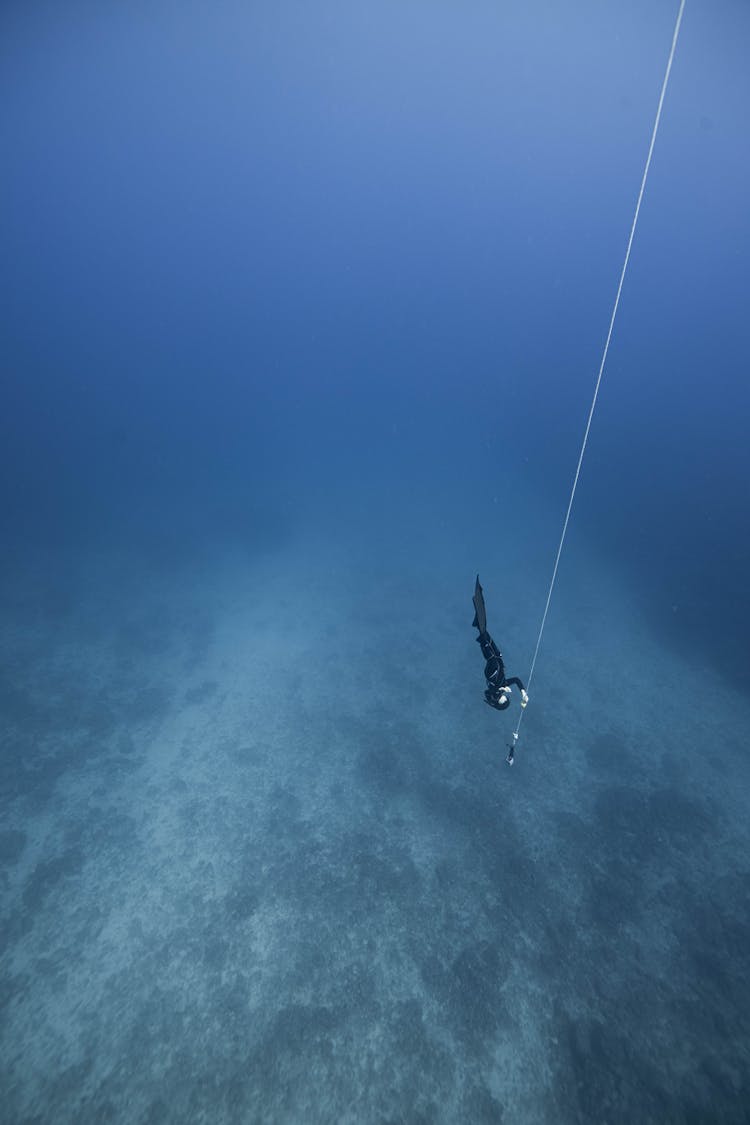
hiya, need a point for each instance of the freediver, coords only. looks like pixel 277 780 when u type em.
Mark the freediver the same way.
pixel 498 691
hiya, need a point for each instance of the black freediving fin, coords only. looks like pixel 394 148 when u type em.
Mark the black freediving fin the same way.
pixel 480 613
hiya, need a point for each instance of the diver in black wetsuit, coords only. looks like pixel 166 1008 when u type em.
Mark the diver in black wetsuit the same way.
pixel 498 690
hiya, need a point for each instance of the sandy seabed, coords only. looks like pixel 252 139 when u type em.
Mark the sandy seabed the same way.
pixel 262 859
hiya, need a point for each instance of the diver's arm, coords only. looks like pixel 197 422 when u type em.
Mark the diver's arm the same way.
pixel 524 696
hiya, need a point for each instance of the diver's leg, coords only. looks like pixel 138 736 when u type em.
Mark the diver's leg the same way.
pixel 488 646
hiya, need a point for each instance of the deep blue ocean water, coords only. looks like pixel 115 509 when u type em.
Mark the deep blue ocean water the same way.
pixel 302 309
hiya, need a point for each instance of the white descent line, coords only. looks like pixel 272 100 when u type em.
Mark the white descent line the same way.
pixel 606 350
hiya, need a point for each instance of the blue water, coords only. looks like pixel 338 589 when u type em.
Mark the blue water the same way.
pixel 302 310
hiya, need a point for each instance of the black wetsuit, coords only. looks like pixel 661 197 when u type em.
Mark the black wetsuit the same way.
pixel 494 674
pixel 494 669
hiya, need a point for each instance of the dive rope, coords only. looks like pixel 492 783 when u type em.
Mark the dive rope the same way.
pixel 601 365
